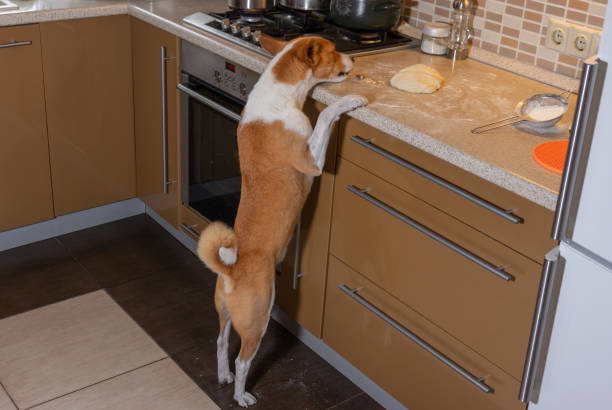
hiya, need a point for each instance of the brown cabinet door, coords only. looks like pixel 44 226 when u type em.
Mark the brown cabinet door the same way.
pixel 305 303
pixel 147 43
pixel 25 185
pixel 413 375
pixel 88 86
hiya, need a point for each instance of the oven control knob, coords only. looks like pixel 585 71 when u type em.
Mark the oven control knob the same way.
pixel 235 28
pixel 246 32
pixel 217 76
pixel 256 35
pixel 225 24
pixel 243 89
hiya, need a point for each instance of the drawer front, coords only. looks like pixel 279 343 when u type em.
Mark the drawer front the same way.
pixel 413 375
pixel 476 305
pixel 531 237
pixel 191 223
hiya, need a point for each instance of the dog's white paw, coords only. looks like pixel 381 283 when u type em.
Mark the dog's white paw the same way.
pixel 226 378
pixel 246 400
pixel 351 102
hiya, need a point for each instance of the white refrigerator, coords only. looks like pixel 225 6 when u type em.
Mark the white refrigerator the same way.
pixel 569 362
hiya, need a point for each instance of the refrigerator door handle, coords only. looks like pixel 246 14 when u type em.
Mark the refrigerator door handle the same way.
pixel 579 146
pixel 541 326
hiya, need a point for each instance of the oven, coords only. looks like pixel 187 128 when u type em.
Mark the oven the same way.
pixel 213 94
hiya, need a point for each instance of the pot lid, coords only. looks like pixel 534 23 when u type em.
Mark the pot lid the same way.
pixel 436 29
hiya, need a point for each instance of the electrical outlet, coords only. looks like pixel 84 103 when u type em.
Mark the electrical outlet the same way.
pixel 579 41
pixel 572 39
pixel 557 35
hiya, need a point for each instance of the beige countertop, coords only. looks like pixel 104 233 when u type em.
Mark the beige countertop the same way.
pixel 473 94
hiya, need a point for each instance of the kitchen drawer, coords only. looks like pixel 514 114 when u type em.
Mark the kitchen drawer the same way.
pixel 191 223
pixel 407 371
pixel 487 312
pixel 531 237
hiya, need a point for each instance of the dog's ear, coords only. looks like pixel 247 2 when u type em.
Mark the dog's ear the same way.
pixel 311 51
pixel 271 45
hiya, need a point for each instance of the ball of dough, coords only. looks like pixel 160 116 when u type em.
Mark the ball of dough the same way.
pixel 417 78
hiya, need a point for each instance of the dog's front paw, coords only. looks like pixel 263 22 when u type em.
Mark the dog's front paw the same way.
pixel 226 378
pixel 351 102
pixel 246 400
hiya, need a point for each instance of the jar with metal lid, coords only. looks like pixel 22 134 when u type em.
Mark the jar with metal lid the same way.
pixel 435 38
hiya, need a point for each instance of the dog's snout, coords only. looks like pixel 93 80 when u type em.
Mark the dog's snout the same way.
pixel 348 64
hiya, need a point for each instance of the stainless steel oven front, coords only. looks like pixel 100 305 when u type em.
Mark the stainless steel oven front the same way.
pixel 214 92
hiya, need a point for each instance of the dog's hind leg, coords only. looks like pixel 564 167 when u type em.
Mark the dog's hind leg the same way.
pixel 251 326
pixel 224 374
pixel 223 371
pixel 248 349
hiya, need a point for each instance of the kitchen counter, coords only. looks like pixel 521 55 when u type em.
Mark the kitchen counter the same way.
pixel 472 95
pixel 440 123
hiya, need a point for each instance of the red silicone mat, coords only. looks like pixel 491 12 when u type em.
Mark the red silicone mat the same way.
pixel 551 155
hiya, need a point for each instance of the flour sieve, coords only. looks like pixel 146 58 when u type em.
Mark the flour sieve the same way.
pixel 539 110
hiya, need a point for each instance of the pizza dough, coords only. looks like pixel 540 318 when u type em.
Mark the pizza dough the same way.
pixel 417 78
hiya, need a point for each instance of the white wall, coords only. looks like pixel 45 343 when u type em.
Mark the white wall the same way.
pixel 605 45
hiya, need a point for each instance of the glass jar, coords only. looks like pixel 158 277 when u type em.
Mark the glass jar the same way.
pixel 435 38
pixel 460 30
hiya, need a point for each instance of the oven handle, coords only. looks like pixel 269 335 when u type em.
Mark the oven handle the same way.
pixel 184 87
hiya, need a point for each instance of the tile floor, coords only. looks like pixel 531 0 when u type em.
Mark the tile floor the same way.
pixel 86 352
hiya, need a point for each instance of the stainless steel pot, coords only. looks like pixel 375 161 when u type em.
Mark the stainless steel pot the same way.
pixel 305 4
pixel 366 15
pixel 251 5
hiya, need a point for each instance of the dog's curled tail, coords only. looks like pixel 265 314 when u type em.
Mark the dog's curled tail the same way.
pixel 218 248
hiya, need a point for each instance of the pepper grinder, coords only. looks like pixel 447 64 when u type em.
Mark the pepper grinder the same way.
pixel 460 31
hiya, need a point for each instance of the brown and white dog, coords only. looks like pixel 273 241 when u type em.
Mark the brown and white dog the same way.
pixel 279 155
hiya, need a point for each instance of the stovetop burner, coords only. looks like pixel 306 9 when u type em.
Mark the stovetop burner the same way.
pixel 250 18
pixel 376 37
pixel 286 24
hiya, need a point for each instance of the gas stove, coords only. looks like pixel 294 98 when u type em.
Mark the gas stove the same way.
pixel 285 24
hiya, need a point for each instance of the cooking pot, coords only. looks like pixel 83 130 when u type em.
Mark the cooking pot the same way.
pixel 305 4
pixel 251 5
pixel 367 15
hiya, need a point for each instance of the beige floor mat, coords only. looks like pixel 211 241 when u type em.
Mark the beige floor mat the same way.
pixel 158 386
pixel 60 348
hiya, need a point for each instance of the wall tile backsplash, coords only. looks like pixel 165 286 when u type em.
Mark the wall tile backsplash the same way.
pixel 517 28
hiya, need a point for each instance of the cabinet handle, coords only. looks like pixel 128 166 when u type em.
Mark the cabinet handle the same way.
pixel 497 271
pixel 296 255
pixel 15 44
pixel 507 214
pixel 541 318
pixel 189 229
pixel 478 382
pixel 163 60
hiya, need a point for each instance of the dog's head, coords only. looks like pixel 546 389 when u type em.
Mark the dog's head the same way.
pixel 305 55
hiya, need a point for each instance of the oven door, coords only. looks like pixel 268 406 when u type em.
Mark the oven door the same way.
pixel 210 170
